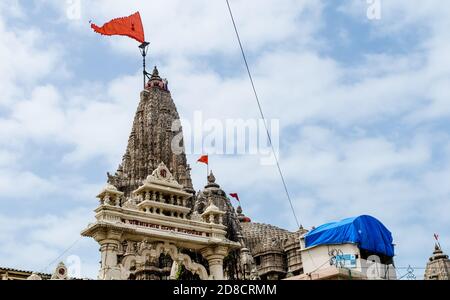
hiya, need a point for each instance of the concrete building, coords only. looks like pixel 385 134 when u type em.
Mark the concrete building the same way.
pixel 356 248
pixel 344 261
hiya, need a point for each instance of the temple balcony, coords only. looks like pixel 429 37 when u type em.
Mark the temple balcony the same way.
pixel 161 208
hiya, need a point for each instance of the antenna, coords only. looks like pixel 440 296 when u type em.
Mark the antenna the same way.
pixel 143 48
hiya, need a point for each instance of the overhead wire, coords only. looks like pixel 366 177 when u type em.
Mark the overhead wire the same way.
pixel 62 254
pixel 262 114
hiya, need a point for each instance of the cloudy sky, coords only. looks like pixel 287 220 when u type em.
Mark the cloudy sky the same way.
pixel 363 106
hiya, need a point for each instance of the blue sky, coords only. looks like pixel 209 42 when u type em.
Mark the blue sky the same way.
pixel 363 107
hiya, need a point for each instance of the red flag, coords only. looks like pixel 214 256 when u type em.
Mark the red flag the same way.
pixel 236 196
pixel 203 159
pixel 128 26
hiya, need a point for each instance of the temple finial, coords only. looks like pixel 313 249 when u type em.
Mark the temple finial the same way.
pixel 211 178
pixel 155 73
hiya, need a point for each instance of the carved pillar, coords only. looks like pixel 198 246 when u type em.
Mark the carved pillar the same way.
pixel 173 271
pixel 216 267
pixel 215 257
pixel 109 247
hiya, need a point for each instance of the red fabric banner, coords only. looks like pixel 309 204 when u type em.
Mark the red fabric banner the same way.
pixel 203 159
pixel 128 26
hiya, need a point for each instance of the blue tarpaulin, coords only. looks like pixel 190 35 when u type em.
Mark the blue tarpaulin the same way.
pixel 365 231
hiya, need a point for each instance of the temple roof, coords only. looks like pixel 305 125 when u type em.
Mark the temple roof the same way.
pixel 256 234
pixel 365 231
pixel 438 253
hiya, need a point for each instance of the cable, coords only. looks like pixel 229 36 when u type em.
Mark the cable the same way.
pixel 262 114
pixel 62 254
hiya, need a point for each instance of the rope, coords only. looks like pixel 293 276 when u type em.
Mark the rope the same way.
pixel 262 114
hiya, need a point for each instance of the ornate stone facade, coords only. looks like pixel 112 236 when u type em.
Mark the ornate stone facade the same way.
pixel 276 251
pixel 151 224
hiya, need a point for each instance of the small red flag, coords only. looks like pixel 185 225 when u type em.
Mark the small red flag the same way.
pixel 235 196
pixel 128 26
pixel 203 159
pixel 247 220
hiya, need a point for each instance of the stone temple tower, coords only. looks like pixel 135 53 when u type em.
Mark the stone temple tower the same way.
pixel 150 223
pixel 438 266
pixel 150 141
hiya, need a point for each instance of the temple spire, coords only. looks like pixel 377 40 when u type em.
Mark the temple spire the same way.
pixel 150 141
pixel 155 74
pixel 438 266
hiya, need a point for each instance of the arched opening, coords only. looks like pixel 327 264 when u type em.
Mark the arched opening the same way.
pixel 185 274
pixel 153 269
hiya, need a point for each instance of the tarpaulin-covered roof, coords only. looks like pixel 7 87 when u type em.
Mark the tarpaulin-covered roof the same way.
pixel 365 231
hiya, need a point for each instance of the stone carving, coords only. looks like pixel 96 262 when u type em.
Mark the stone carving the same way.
pixel 150 141
pixel 212 193
pixel 110 195
pixel 144 245
pixel 161 173
pixel 131 203
pixel 131 248
pixel 151 252
pixel 60 272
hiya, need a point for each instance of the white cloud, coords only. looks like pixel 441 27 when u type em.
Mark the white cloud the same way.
pixel 19 184
pixel 41 116
pixel 38 243
pixel 351 145
pixel 204 27
pixel 24 61
pixel 11 8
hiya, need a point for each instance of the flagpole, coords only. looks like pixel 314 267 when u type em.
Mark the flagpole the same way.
pixel 207 169
pixel 144 50
pixel 436 237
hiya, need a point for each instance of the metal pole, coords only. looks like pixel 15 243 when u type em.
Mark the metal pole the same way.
pixel 144 49
pixel 143 64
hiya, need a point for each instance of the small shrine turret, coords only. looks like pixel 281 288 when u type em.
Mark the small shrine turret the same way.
pixel 110 195
pixel 213 214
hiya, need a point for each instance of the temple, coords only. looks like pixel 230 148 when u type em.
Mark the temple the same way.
pixel 151 224
pixel 150 141
pixel 438 266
